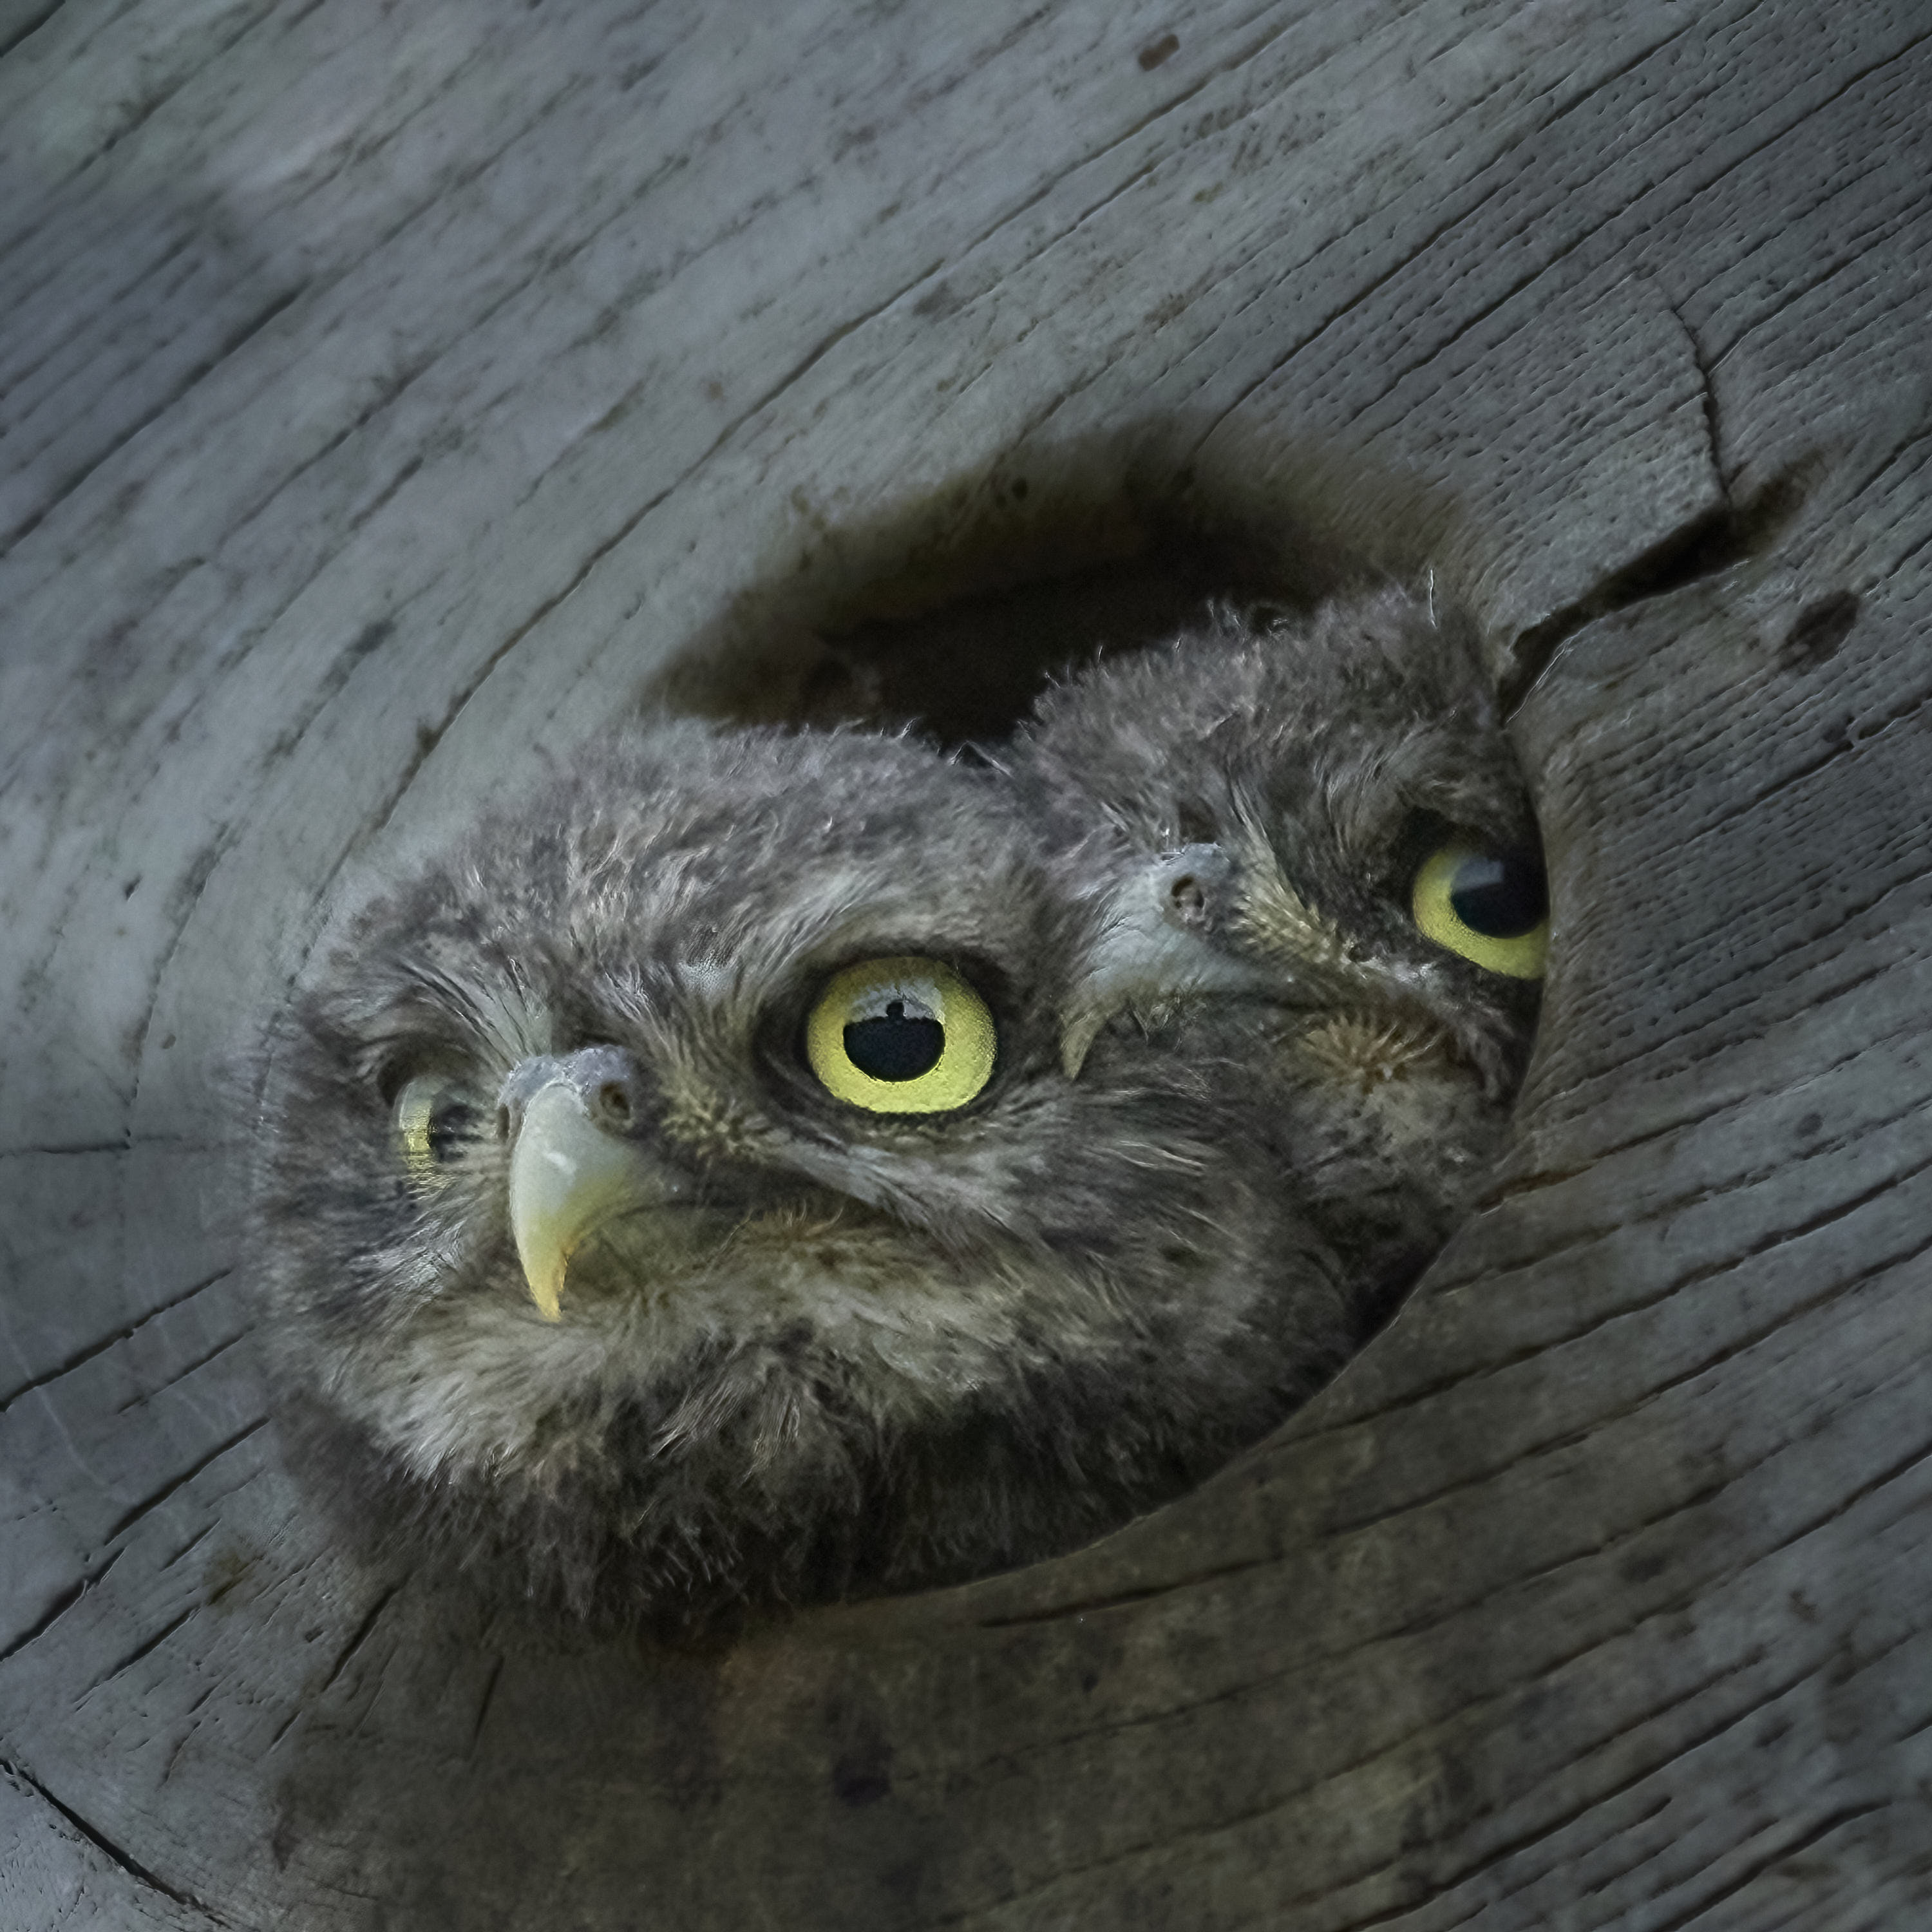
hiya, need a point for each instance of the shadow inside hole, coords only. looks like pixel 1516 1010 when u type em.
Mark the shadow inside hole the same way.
pixel 968 672
pixel 952 614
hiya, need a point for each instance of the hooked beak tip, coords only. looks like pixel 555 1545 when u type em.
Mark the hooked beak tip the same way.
pixel 567 1178
pixel 546 1288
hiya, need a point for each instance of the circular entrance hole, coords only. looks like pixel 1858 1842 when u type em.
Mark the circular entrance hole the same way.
pixel 1201 1076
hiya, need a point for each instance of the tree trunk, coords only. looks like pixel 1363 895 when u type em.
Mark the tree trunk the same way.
pixel 389 394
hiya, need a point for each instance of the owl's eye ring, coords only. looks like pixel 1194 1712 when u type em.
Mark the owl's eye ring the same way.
pixel 900 1035
pixel 435 1116
pixel 1490 907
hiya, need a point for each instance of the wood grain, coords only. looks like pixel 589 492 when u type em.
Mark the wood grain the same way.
pixel 389 393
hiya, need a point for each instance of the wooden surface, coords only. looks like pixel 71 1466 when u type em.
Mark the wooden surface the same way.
pixel 388 395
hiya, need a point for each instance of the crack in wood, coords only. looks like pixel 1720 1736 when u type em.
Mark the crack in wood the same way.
pixel 1679 1506
pixel 359 1637
pixel 81 1356
pixel 124 1860
pixel 1085 1606
pixel 133 1515
pixel 65 488
pixel 121 1146
pixel 25 29
pixel 1376 284
pixel 1677 1602
pixel 194 1542
pixel 141 1649
pixel 1834 1821
pixel 59 1607
pixel 307 1700
pixel 1708 391
pixel 1519 1186
pixel 1663 1206
pixel 1706 547
pixel 1830 944
pixel 180 1374
pixel 60 346
pixel 483 1704
pixel 1777 1238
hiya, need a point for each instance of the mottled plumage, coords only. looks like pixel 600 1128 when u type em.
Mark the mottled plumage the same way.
pixel 861 1351
pixel 598 1261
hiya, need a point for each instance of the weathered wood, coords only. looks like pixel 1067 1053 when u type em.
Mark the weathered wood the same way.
pixel 388 395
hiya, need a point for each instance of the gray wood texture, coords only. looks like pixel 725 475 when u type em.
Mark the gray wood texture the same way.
pixel 388 394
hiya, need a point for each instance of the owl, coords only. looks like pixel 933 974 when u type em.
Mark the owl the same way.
pixel 1328 801
pixel 769 1167
pixel 676 1198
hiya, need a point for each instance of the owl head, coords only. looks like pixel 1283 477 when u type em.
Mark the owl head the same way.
pixel 682 1194
pixel 1303 849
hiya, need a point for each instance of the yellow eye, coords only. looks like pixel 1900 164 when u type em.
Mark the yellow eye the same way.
pixel 1490 907
pixel 901 1036
pixel 435 1118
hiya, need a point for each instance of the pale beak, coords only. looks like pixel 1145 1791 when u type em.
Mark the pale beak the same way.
pixel 571 1171
pixel 1151 946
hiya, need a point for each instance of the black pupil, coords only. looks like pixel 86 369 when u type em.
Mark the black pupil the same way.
pixel 894 1047
pixel 449 1127
pixel 1501 896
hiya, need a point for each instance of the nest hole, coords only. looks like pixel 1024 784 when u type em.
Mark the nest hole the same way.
pixel 951 614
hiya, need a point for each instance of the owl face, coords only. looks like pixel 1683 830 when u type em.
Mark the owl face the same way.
pixel 679 1195
pixel 1330 807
